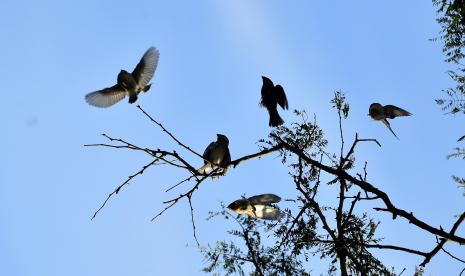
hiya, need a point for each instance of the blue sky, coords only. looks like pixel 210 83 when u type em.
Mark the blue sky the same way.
pixel 212 54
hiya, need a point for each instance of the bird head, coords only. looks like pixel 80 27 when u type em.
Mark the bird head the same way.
pixel 222 138
pixel 240 206
pixel 375 110
pixel 267 81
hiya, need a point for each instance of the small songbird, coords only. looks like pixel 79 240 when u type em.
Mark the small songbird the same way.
pixel 217 154
pixel 257 207
pixel 128 84
pixel 272 96
pixel 382 113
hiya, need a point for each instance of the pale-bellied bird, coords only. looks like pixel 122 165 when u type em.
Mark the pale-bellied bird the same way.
pixel 216 154
pixel 258 206
pixel 128 84
pixel 382 113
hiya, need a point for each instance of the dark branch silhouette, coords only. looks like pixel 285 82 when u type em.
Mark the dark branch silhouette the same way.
pixel 346 241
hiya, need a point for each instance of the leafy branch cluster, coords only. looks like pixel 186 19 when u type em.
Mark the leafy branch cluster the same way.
pixel 452 21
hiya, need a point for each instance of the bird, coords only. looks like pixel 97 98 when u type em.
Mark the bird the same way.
pixel 128 84
pixel 382 113
pixel 272 96
pixel 258 206
pixel 216 154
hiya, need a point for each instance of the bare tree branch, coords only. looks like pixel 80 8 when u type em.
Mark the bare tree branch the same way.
pixel 169 133
pixel 376 246
pixel 443 241
pixel 116 191
pixel 192 219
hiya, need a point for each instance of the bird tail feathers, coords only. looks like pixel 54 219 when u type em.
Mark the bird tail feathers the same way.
pixel 147 87
pixel 275 119
pixel 132 97
pixel 388 125
pixel 205 168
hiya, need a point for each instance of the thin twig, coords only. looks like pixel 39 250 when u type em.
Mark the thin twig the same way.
pixel 443 241
pixel 357 198
pixel 375 246
pixel 286 236
pixel 352 148
pixel 122 185
pixel 256 155
pixel 452 256
pixel 179 183
pixel 169 133
pixel 162 211
pixel 192 219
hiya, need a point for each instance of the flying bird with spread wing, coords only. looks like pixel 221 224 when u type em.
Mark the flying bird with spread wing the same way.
pixel 382 113
pixel 128 84
pixel 216 154
pixel 258 206
pixel 272 96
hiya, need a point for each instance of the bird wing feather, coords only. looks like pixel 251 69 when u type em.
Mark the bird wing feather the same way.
pixel 264 199
pixel 392 111
pixel 281 96
pixel 208 151
pixel 106 97
pixel 146 67
pixel 226 158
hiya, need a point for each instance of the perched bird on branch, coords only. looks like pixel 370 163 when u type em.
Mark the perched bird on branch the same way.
pixel 272 96
pixel 382 113
pixel 258 207
pixel 216 154
pixel 128 84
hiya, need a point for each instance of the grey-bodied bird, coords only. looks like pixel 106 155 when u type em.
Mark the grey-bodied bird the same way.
pixel 217 154
pixel 382 113
pixel 258 206
pixel 272 96
pixel 128 84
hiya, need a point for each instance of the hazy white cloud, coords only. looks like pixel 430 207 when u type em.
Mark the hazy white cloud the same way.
pixel 251 28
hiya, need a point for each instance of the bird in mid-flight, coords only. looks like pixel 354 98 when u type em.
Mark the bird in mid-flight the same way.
pixel 272 96
pixel 217 154
pixel 128 84
pixel 258 207
pixel 382 113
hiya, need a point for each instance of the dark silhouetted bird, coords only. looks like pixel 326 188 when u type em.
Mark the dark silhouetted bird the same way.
pixel 382 113
pixel 217 153
pixel 128 84
pixel 258 207
pixel 272 96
